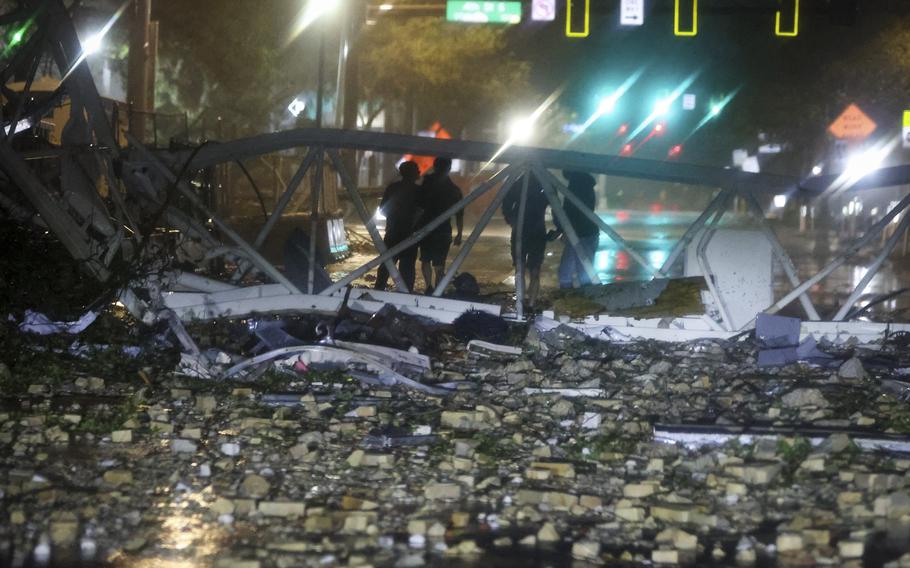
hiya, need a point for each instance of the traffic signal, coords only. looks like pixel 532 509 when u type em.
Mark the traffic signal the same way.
pixel 675 151
pixel 17 36
pixel 786 19
pixel 578 18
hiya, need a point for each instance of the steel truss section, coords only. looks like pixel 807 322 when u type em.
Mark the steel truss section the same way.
pixel 95 224
pixel 367 219
pixel 682 329
pixel 482 152
pixel 439 309
pixel 873 233
pixel 482 223
pixel 245 302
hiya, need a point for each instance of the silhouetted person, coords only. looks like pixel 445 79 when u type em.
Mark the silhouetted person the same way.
pixel 399 205
pixel 439 193
pixel 533 230
pixel 581 185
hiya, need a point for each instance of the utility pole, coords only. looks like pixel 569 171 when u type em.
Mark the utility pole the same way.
pixel 140 15
pixel 350 79
pixel 151 66
pixel 353 19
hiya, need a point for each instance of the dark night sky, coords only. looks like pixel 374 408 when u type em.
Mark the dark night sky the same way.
pixel 734 49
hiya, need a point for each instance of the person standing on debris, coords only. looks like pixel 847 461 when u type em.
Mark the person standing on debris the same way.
pixel 581 185
pixel 438 195
pixel 399 205
pixel 533 230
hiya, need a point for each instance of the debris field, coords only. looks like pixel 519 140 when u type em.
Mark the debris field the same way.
pixel 570 453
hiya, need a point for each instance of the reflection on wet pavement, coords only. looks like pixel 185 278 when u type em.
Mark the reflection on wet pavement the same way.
pixel 183 539
pixel 653 235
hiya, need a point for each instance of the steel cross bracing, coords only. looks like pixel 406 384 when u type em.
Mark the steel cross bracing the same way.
pixel 98 217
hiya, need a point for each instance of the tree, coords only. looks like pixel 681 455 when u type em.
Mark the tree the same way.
pixel 804 84
pixel 457 74
pixel 221 59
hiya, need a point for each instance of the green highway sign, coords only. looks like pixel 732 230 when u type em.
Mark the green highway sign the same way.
pixel 480 12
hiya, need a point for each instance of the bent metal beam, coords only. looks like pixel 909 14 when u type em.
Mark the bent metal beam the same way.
pixel 481 152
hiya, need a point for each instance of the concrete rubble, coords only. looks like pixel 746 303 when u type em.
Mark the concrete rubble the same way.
pixel 547 454
pixel 544 449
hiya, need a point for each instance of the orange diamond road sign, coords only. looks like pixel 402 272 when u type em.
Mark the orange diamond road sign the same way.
pixel 852 124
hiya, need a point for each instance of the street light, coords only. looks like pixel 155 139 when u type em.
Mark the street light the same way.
pixel 862 164
pixel 93 44
pixel 607 104
pixel 662 107
pixel 521 130
pixel 315 10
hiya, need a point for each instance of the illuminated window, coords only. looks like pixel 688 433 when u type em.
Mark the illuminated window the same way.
pixel 789 12
pixel 685 18
pixel 573 17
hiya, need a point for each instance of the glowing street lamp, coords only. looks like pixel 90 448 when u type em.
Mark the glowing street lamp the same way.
pixel 862 164
pixel 93 44
pixel 663 106
pixel 521 130
pixel 607 105
pixel 311 12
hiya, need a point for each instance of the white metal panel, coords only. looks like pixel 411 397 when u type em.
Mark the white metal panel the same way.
pixel 741 263
pixel 201 307
pixel 371 307
pixel 842 331
pixel 423 302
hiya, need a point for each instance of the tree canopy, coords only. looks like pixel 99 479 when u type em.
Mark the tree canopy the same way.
pixel 220 57
pixel 461 75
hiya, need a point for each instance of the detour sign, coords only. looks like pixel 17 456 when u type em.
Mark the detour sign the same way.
pixel 852 124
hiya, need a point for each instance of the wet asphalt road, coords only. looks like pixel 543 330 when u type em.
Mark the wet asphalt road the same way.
pixel 653 235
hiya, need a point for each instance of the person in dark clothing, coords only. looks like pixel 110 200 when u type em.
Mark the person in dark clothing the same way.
pixel 533 230
pixel 439 194
pixel 399 205
pixel 581 185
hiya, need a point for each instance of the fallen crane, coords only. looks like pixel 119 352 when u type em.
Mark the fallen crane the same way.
pixel 104 221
